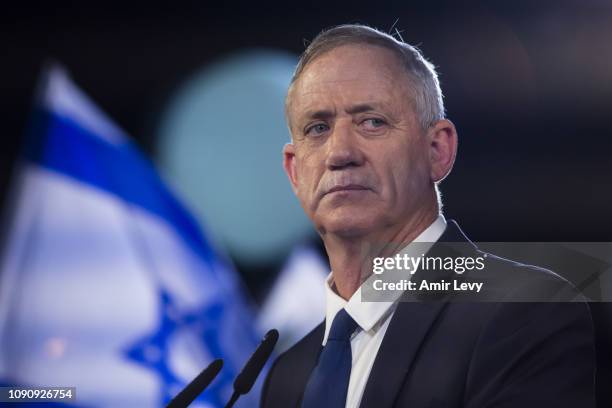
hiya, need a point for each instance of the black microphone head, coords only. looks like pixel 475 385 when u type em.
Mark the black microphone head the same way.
pixel 245 380
pixel 195 387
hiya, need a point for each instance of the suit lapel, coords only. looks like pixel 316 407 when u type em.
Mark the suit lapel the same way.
pixel 405 334
pixel 407 330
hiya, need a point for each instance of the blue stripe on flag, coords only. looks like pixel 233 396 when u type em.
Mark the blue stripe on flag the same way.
pixel 60 144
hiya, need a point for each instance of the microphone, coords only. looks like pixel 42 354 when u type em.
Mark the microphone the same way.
pixel 195 388
pixel 245 380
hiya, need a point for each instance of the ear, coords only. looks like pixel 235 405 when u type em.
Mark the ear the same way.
pixel 442 138
pixel 289 165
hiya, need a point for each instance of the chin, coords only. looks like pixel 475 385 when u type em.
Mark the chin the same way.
pixel 348 223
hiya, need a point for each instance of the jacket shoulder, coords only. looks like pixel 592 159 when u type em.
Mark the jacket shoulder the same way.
pixel 512 281
pixel 290 371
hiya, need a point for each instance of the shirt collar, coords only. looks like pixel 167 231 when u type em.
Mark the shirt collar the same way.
pixel 369 315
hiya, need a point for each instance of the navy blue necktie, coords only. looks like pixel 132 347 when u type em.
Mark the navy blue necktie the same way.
pixel 329 380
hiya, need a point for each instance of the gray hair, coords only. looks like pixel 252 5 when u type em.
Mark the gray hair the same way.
pixel 428 103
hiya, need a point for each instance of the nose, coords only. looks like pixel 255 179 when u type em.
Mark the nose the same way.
pixel 343 149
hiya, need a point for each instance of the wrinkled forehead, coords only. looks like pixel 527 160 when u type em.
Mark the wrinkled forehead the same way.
pixel 348 75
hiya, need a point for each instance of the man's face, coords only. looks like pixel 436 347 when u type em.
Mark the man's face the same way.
pixel 359 161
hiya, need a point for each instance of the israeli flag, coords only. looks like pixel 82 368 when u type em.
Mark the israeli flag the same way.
pixel 106 283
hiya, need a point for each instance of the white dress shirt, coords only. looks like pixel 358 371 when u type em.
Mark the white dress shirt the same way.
pixel 372 318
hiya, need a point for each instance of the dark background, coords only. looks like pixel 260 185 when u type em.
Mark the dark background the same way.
pixel 527 83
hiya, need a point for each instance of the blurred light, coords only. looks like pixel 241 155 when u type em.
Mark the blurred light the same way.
pixel 55 347
pixel 220 142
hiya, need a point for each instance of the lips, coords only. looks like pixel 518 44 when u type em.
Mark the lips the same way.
pixel 350 187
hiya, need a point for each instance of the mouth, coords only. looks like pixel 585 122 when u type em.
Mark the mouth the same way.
pixel 348 188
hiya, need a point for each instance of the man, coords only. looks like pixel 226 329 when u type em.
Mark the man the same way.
pixel 370 144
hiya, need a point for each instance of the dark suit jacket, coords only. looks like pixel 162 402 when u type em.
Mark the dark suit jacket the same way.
pixel 444 353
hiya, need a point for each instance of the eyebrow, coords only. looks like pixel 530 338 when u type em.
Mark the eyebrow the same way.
pixel 320 114
pixel 326 114
pixel 364 107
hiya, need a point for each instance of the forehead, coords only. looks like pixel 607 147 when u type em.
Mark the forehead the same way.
pixel 350 74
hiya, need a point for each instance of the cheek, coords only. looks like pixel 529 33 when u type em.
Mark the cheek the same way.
pixel 409 174
pixel 307 170
pixel 304 170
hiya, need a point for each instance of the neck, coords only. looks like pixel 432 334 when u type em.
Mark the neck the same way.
pixel 351 258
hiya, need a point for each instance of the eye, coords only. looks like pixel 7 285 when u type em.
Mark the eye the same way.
pixel 316 130
pixel 373 123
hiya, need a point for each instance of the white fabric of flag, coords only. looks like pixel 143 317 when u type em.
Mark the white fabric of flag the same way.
pixel 296 302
